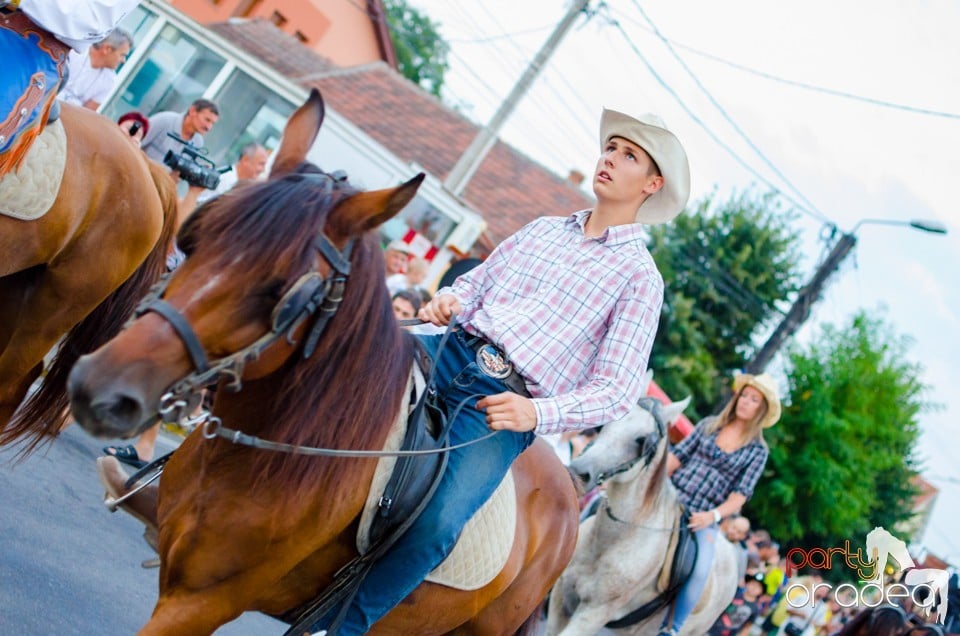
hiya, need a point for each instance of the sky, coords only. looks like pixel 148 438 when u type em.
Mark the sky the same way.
pixel 756 91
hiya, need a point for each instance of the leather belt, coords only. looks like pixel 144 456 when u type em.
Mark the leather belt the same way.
pixel 500 366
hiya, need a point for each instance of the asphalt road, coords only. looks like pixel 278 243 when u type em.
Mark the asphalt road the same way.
pixel 67 565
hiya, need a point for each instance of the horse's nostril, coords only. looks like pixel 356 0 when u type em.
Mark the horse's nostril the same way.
pixel 125 409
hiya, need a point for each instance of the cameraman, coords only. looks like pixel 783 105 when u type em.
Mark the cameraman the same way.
pixel 191 125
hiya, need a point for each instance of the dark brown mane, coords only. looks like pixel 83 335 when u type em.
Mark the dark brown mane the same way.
pixel 346 395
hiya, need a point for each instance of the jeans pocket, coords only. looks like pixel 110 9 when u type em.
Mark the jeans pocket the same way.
pixel 470 378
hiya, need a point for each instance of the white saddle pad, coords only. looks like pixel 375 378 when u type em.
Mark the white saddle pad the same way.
pixel 486 540
pixel 28 193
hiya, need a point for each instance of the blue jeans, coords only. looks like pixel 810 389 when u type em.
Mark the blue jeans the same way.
pixel 690 592
pixel 472 475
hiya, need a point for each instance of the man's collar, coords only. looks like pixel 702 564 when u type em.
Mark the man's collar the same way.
pixel 613 235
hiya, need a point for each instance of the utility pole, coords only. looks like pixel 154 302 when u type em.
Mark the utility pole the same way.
pixel 468 163
pixel 800 310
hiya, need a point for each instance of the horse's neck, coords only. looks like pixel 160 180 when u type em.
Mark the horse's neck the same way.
pixel 244 410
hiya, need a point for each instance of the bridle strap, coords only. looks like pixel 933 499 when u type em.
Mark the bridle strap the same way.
pixel 652 406
pixel 183 329
pixel 339 261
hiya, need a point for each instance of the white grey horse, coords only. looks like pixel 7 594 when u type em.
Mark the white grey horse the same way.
pixel 621 550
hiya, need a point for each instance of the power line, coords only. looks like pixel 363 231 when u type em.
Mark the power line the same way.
pixel 497 38
pixel 817 215
pixel 798 84
pixel 724 112
pixel 561 99
pixel 405 35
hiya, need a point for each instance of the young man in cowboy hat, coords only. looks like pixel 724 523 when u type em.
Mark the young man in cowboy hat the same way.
pixel 555 330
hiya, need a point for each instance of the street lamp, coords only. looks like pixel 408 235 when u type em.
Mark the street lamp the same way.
pixel 800 310
pixel 924 225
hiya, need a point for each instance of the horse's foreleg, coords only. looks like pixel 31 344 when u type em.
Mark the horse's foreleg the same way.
pixel 187 614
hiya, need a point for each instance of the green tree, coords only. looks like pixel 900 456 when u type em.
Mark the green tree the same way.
pixel 421 51
pixel 842 456
pixel 725 267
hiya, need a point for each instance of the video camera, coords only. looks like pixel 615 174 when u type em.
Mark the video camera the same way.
pixel 194 168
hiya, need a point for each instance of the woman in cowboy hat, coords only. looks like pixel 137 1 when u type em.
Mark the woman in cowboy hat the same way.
pixel 553 328
pixel 726 452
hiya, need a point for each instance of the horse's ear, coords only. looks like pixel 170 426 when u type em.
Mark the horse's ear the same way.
pixel 298 135
pixel 366 210
pixel 672 411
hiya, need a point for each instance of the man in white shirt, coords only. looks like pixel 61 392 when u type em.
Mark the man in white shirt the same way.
pixel 34 65
pixel 249 167
pixel 93 73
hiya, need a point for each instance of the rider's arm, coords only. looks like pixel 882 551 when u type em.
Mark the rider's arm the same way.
pixel 615 384
pixel 469 287
pixel 78 23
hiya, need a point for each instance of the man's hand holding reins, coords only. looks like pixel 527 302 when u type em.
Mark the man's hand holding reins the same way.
pixel 440 310
pixel 509 412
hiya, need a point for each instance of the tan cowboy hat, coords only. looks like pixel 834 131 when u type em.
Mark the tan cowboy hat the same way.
pixel 765 384
pixel 650 133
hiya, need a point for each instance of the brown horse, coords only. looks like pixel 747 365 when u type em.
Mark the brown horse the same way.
pixel 247 529
pixel 79 269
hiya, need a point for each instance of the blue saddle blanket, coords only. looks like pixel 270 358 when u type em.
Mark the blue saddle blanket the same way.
pixel 28 86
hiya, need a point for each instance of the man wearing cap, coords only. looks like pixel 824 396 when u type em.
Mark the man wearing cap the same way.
pixel 715 470
pixel 395 257
pixel 554 329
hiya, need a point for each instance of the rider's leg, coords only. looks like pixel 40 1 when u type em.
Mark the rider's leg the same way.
pixel 472 475
pixel 690 592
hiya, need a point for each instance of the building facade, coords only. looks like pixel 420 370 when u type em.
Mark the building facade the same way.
pixel 361 35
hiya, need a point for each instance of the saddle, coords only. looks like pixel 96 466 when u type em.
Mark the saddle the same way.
pixel 409 489
pixel 34 64
pixel 675 572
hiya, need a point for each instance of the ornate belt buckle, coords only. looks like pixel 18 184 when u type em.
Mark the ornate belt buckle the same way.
pixel 493 363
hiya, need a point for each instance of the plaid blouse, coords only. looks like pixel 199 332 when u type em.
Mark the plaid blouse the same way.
pixel 708 474
pixel 575 315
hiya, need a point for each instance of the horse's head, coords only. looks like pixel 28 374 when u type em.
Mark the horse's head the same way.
pixel 275 272
pixel 625 447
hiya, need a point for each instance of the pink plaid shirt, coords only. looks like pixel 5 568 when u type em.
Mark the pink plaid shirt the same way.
pixel 576 316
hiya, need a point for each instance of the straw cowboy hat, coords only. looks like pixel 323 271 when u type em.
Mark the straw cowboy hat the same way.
pixel 650 133
pixel 765 384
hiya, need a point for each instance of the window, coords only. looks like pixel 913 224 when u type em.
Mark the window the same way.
pixel 174 72
pixel 137 23
pixel 278 19
pixel 248 112
pixel 425 219
pixel 300 36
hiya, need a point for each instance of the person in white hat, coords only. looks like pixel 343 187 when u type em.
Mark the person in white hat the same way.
pixel 395 257
pixel 726 452
pixel 555 329
pixel 34 64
